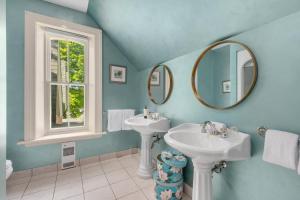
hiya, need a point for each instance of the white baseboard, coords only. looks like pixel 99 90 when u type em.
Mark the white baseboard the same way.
pixel 188 190
pixel 81 161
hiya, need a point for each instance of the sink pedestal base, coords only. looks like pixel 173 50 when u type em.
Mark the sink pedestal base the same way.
pixel 145 167
pixel 202 183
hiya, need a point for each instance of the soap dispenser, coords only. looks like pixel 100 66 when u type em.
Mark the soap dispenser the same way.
pixel 146 112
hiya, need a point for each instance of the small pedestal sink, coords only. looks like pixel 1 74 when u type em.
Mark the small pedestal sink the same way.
pixel 147 128
pixel 205 150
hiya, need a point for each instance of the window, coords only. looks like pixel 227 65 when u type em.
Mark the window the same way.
pixel 62 81
pixel 67 72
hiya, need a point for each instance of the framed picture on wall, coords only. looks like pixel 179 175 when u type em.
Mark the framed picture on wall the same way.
pixel 155 78
pixel 118 74
pixel 226 86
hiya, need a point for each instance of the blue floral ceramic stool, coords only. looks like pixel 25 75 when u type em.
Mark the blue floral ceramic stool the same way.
pixel 168 177
pixel 167 191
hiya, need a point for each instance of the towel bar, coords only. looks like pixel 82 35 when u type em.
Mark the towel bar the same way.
pixel 261 131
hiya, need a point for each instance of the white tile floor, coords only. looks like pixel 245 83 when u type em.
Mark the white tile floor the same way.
pixel 106 180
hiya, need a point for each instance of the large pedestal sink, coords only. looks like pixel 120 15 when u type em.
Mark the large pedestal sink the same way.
pixel 205 150
pixel 147 128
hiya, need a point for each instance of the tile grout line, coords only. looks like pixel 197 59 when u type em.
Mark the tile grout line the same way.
pixel 110 184
pixel 55 182
pixel 130 178
pixel 30 181
pixel 66 198
pixel 26 186
pixel 82 182
pixel 104 174
pixel 31 172
pixel 141 189
pixel 75 195
pixel 145 194
pixel 122 167
pixel 130 194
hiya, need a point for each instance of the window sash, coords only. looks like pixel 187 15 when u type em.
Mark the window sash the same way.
pixel 63 129
pixel 52 35
pixel 58 35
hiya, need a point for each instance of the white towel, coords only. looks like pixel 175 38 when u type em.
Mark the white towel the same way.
pixel 8 164
pixel 299 164
pixel 114 120
pixel 9 169
pixel 126 115
pixel 281 148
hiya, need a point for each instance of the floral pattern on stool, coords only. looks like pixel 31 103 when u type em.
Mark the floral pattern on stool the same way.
pixel 167 191
pixel 164 192
pixel 167 173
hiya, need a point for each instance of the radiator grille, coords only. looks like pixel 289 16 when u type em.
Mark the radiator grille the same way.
pixel 68 151
pixel 68 165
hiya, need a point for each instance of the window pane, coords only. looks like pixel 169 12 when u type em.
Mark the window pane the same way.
pixel 76 62
pixel 76 99
pixel 67 78
pixel 59 61
pixel 54 60
pixel 59 106
pixel 67 61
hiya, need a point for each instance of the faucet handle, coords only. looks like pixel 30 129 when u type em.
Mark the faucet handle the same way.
pixel 224 132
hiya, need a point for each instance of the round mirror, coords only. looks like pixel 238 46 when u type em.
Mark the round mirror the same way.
pixel 224 74
pixel 160 84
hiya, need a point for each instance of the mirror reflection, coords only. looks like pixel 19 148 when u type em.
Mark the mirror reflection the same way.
pixel 224 74
pixel 160 84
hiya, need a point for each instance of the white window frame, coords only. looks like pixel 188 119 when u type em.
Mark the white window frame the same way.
pixel 36 130
pixel 51 35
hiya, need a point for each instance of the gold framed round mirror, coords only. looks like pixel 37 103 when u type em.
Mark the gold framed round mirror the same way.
pixel 224 74
pixel 160 84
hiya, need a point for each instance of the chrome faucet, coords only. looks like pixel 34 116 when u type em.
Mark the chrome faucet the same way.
pixel 209 127
pixel 153 116
pixel 212 130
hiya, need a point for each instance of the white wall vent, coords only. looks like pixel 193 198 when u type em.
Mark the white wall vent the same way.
pixel 68 155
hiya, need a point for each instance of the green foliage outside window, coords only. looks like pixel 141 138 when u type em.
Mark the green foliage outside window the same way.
pixel 73 54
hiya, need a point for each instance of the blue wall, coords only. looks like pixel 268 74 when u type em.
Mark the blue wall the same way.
pixel 150 32
pixel 115 96
pixel 2 97
pixel 273 103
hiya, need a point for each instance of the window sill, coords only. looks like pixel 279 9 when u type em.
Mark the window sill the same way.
pixel 55 139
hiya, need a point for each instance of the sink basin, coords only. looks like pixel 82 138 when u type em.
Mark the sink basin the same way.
pixel 147 128
pixel 205 150
pixel 188 139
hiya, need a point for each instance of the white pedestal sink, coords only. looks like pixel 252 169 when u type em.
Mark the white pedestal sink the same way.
pixel 147 128
pixel 205 150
